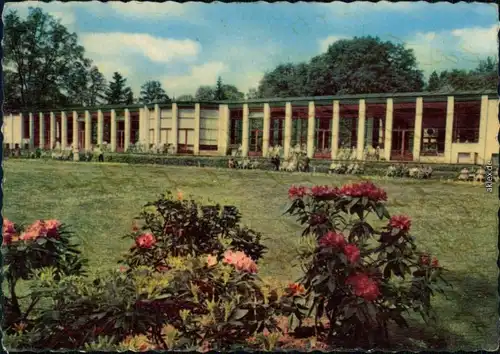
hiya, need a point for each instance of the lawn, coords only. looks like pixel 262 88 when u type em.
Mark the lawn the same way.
pixel 456 221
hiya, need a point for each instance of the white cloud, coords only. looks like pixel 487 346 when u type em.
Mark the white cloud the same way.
pixel 325 42
pixel 61 11
pixel 458 48
pixel 156 49
pixel 199 75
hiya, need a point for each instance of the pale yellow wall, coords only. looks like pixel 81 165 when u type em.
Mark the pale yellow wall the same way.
pixel 12 130
pixel 492 128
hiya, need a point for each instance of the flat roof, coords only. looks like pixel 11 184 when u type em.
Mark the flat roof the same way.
pixel 369 97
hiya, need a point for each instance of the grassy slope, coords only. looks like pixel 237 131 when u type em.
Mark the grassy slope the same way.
pixel 98 201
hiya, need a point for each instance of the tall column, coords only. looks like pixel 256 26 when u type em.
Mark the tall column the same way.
pixel 483 122
pixel 88 131
pixel 267 129
pixel 417 134
pixel 335 129
pixel 32 130
pixel 389 113
pixel 157 124
pixel 197 117
pixel 141 125
pixel 246 130
pixel 126 144
pixel 113 131
pixel 64 130
pixel 42 131
pixel 380 131
pixel 21 130
pixel 361 129
pixel 100 128
pixel 76 143
pixel 223 137
pixel 450 112
pixel 175 126
pixel 288 130
pixel 52 130
pixel 311 125
pixel 147 134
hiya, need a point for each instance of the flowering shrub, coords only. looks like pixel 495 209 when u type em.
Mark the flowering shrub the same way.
pixel 358 282
pixel 45 243
pixel 171 226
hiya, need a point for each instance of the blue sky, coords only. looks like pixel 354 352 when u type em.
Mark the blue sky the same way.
pixel 187 45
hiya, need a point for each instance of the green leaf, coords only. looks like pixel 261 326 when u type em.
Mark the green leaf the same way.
pixel 238 314
pixel 352 203
pixel 41 241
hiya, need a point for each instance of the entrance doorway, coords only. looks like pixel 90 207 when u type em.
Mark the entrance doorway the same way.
pixel 256 139
pixel 402 145
pixel 184 136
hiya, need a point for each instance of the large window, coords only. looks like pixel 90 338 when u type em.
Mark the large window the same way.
pixel 323 131
pixel 256 130
pixel 299 126
pixel 433 128
pixel 466 121
pixel 348 125
pixel 276 136
pixel 236 126
pixel 208 129
pixel 69 125
pixel 134 127
pixel 26 126
pixel 375 125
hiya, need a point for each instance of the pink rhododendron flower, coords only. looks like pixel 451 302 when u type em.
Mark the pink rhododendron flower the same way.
pixel 297 192
pixel 332 239
pixel 145 240
pixel 240 261
pixel 363 286
pixel 52 227
pixel 211 260
pixel 324 191
pixel 401 222
pixel 9 231
pixel 352 253
pixel 364 189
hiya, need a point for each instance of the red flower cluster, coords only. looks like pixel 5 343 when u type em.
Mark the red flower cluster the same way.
pixel 425 260
pixel 364 286
pixel 324 191
pixel 334 240
pixel 240 261
pixel 9 231
pixel 145 240
pixel 41 228
pixel 296 289
pixel 297 192
pixel 337 241
pixel 401 222
pixel 364 189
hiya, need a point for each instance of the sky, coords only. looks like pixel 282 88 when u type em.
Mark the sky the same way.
pixel 187 45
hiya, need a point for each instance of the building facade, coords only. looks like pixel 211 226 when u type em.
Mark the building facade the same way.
pixel 421 127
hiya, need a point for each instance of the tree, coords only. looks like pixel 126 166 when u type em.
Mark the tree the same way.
pixel 40 55
pixel 97 87
pixel 231 92
pixel 434 82
pixel 252 93
pixel 358 65
pixel 151 91
pixel 219 94
pixel 286 80
pixel 185 98
pixel 117 92
pixel 204 93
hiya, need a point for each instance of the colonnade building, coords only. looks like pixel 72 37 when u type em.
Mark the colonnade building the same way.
pixel 423 127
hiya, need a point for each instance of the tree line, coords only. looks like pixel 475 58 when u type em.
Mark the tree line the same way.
pixel 45 66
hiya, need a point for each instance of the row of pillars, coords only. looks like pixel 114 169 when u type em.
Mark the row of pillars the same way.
pixel 224 128
pixel 87 143
pixel 360 146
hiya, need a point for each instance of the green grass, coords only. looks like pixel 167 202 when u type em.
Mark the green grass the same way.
pixel 98 201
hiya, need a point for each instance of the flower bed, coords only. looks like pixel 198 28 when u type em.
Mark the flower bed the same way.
pixel 191 280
